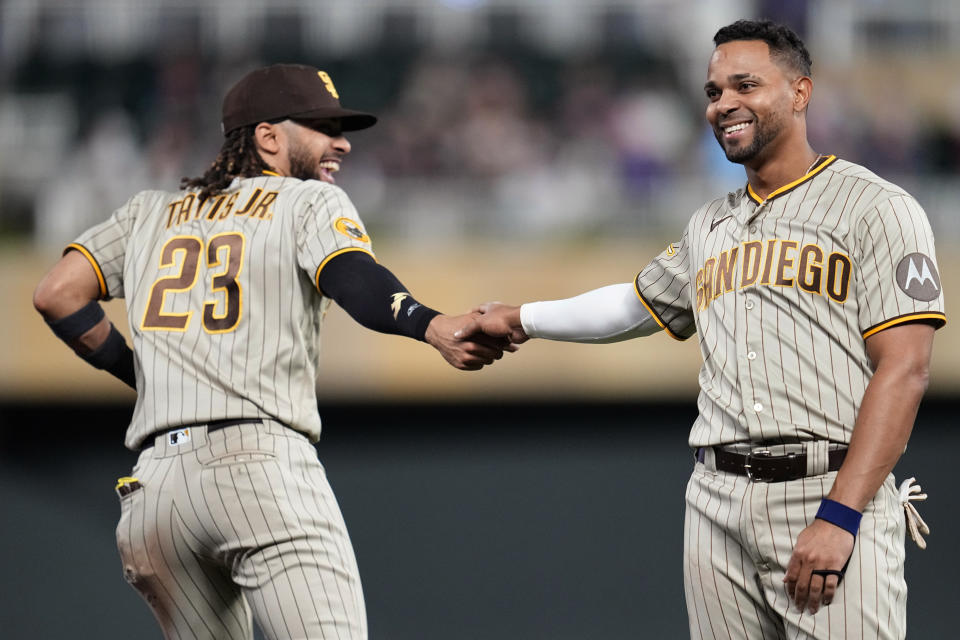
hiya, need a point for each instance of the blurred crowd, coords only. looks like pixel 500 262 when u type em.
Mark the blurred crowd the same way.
pixel 507 140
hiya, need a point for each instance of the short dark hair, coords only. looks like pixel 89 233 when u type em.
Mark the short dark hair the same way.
pixel 785 46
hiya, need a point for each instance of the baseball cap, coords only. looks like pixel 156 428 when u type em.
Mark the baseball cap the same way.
pixel 287 91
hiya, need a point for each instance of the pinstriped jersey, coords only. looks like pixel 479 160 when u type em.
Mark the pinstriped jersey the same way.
pixel 222 297
pixel 782 293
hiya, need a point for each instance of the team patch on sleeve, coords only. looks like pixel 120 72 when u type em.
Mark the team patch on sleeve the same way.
pixel 351 229
pixel 917 277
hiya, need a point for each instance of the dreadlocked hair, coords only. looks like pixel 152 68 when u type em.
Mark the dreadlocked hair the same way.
pixel 238 158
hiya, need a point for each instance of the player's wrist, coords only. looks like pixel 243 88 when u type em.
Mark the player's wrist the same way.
pixel 840 515
pixel 114 357
pixel 526 319
pixel 424 318
pixel 434 330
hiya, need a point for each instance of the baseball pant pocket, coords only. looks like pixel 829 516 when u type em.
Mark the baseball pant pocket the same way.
pixel 230 447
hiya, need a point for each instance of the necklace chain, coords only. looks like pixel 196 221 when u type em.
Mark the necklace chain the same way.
pixel 815 162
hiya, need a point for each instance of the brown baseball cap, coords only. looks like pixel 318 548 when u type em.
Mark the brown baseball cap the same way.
pixel 287 91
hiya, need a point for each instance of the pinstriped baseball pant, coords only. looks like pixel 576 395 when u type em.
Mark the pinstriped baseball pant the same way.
pixel 738 538
pixel 240 521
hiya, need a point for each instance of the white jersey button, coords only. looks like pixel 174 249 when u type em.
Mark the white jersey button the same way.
pixel 752 355
pixel 758 407
pixel 749 304
pixel 753 228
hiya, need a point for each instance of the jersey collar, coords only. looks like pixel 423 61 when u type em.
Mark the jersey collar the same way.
pixel 267 172
pixel 822 163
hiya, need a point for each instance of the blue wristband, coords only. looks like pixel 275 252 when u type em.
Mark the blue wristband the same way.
pixel 840 515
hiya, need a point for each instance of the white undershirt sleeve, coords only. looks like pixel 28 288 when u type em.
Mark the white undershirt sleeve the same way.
pixel 609 314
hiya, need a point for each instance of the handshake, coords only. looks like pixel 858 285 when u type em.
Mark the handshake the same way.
pixel 477 338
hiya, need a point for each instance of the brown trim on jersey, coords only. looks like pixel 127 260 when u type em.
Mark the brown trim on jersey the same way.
pixel 316 276
pixel 793 185
pixel 73 246
pixel 653 314
pixel 938 317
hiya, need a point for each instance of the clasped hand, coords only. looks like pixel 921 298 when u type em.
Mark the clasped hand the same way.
pixel 475 339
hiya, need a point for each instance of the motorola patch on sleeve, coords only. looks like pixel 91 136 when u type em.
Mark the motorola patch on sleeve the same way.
pixel 917 276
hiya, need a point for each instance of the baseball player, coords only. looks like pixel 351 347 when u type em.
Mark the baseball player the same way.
pixel 814 293
pixel 227 513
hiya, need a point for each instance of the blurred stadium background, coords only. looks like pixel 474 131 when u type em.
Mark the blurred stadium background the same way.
pixel 525 150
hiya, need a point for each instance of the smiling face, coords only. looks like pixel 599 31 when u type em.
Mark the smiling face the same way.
pixel 755 104
pixel 315 149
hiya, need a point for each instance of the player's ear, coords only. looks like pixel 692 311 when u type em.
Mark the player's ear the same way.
pixel 267 138
pixel 802 90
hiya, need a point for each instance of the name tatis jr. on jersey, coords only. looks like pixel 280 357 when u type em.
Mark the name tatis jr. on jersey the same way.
pixel 777 263
pixel 258 205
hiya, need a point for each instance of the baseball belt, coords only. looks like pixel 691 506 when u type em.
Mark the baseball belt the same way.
pixel 215 425
pixel 761 466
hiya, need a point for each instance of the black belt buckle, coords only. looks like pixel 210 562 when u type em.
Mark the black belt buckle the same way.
pixel 750 468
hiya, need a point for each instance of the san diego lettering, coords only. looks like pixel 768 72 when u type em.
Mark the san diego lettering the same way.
pixel 775 263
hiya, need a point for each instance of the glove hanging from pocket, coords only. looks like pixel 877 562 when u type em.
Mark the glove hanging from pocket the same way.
pixel 910 493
